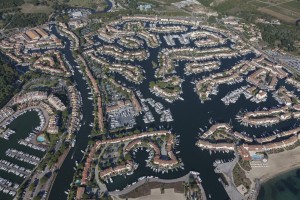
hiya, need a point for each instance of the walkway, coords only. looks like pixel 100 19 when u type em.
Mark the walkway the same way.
pixel 226 169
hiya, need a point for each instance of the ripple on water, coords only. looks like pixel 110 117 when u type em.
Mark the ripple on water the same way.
pixel 284 186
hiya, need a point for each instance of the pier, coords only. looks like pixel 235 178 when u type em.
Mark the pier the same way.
pixel 19 155
pixel 8 187
pixel 14 169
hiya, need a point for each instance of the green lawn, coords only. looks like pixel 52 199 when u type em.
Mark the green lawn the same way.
pixel 30 8
pixel 292 5
pixel 93 4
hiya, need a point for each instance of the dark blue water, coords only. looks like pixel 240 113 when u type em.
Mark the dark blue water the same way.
pixel 65 174
pixel 23 125
pixel 283 187
pixel 189 115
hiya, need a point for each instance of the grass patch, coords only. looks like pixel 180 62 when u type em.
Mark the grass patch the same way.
pixel 245 164
pixel 239 177
pixel 30 8
pixel 93 4
pixel 259 4
pixel 292 5
pixel 276 14
pixel 285 11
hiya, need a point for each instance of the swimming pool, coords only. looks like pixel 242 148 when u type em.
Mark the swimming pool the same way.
pixel 41 138
pixel 257 157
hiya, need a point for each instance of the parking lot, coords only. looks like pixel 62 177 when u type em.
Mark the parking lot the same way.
pixel 123 117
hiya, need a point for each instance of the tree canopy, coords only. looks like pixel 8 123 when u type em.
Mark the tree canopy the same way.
pixel 8 77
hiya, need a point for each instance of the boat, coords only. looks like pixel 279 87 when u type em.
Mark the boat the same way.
pixel 129 173
pixel 73 142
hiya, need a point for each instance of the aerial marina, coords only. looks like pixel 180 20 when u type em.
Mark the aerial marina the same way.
pixel 14 169
pixel 19 155
pixel 8 187
pixel 110 107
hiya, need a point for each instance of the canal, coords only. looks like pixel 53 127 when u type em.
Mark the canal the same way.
pixel 65 174
pixel 189 115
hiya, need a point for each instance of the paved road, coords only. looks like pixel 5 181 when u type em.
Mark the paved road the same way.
pixel 226 169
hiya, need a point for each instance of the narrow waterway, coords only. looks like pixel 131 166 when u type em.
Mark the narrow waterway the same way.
pixel 66 172
pixel 189 115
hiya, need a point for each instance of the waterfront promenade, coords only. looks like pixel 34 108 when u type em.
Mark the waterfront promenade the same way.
pixel 226 169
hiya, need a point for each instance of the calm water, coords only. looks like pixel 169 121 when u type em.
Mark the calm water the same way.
pixel 23 125
pixel 66 172
pixel 189 115
pixel 283 187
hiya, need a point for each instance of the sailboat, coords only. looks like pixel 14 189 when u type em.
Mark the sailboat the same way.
pixel 73 154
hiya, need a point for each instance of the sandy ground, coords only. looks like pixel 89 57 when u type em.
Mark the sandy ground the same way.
pixel 156 194
pixel 277 164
